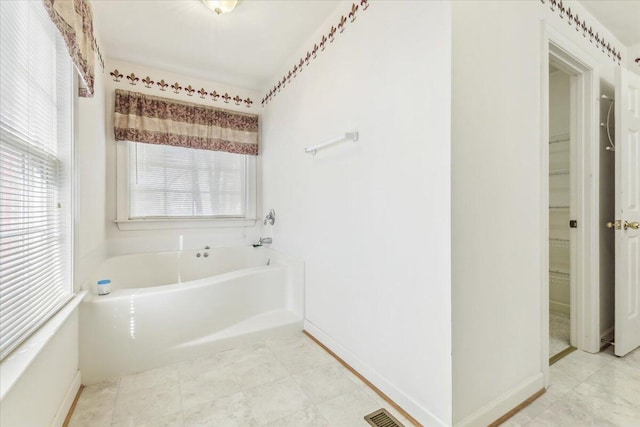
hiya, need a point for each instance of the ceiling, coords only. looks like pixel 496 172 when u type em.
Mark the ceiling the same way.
pixel 621 17
pixel 244 48
pixel 249 46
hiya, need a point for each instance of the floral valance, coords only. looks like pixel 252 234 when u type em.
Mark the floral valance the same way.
pixel 154 120
pixel 74 20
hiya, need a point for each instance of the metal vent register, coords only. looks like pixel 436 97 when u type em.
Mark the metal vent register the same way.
pixel 382 418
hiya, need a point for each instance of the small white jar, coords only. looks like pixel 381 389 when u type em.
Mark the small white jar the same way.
pixel 104 287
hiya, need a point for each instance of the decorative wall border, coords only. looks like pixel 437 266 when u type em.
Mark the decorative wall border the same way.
pixel 581 24
pixel 177 88
pixel 361 5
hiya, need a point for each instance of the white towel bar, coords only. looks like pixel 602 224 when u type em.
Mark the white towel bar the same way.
pixel 348 136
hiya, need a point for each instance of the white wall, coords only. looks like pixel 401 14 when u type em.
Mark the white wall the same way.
pixel 119 242
pixel 559 108
pixel 371 219
pixel 44 392
pixel 89 142
pixel 496 200
pixel 632 55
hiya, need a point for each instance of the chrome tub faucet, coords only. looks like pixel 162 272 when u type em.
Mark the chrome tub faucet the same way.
pixel 263 241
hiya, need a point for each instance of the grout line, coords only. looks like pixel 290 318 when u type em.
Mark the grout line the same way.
pixel 73 407
pixel 115 401
pixel 180 391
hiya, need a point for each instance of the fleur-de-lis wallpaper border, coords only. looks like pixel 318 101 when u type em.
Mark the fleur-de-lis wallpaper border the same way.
pixel 356 8
pixel 587 30
pixel 177 88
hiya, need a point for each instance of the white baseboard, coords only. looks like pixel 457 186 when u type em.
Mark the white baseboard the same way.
pixel 504 403
pixel 559 307
pixel 66 403
pixel 413 408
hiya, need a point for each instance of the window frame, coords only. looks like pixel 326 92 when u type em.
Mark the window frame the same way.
pixel 124 222
pixel 66 163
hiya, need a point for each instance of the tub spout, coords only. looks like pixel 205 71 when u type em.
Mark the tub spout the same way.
pixel 263 241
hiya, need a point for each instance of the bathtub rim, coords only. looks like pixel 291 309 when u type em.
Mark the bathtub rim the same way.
pixel 180 286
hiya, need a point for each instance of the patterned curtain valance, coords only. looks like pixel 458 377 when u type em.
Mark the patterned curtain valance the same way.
pixel 154 120
pixel 74 20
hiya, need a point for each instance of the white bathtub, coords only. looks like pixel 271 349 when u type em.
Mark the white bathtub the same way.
pixel 172 306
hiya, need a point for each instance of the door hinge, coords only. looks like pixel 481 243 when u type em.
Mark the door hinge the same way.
pixel 573 223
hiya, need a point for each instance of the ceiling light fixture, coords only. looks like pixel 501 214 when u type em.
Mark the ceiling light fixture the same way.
pixel 220 6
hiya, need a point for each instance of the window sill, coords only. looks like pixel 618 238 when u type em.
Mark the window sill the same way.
pixel 16 363
pixel 165 224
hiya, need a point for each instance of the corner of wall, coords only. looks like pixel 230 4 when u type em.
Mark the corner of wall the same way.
pixel 89 141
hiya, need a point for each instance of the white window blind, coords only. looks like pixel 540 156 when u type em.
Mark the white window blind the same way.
pixel 176 182
pixel 35 159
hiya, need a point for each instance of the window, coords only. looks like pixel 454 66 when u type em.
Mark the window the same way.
pixel 171 186
pixel 35 173
pixel 166 181
pixel 183 164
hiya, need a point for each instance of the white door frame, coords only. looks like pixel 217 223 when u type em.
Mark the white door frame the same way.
pixel 585 293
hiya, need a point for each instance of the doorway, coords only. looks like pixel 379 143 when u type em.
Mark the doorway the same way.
pixel 573 228
pixel 561 199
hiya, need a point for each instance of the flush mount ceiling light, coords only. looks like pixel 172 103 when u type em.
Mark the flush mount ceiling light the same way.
pixel 220 6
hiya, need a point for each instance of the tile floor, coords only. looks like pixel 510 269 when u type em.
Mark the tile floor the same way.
pixel 588 390
pixel 294 383
pixel 558 332
pixel 287 382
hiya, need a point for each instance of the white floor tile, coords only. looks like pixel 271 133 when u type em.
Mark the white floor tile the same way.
pixel 96 405
pixel 309 417
pixel 209 387
pixel 143 405
pixel 300 354
pixel 518 420
pixel 193 369
pixel 151 378
pixel 618 379
pixel 262 369
pixel 273 401
pixel 173 420
pixel 324 383
pixel 559 330
pixel 590 390
pixel 348 410
pixel 564 413
pixel 245 353
pixel 230 411
pixel 633 359
pixel 539 405
pixel 295 383
pixel 604 405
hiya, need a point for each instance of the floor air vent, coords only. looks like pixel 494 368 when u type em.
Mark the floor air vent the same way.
pixel 382 418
